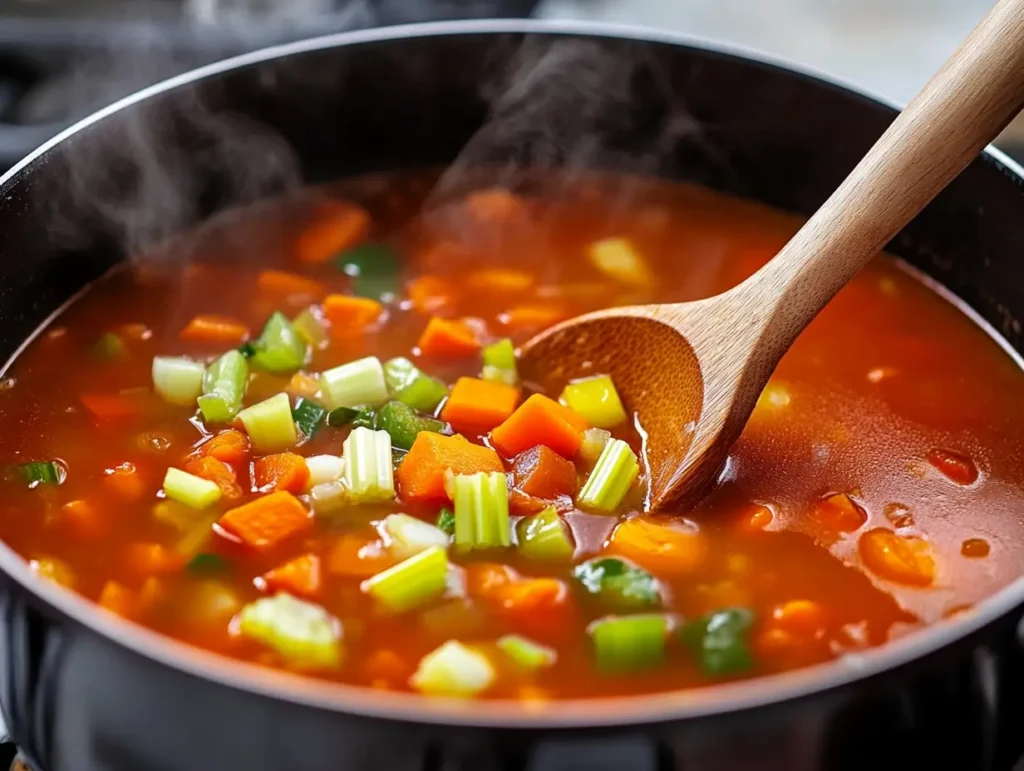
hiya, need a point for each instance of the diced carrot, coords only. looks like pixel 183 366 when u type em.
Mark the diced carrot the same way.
pixel 476 406
pixel 216 470
pixel 284 284
pixel 117 598
pixel 303 385
pixel 448 339
pixel 283 471
pixel 207 328
pixel 354 556
pixel 85 518
pixel 350 316
pixel 499 280
pixel 894 557
pixel 533 318
pixel 540 472
pixel 126 481
pixel 136 332
pixel 150 559
pixel 430 294
pixel 803 618
pixel 661 548
pixel 230 446
pixel 520 504
pixel 301 576
pixel 336 225
pixel 483 579
pixel 113 406
pixel 540 420
pixel 495 205
pixel 151 594
pixel 266 521
pixel 421 474
pixel 385 668
pixel 538 607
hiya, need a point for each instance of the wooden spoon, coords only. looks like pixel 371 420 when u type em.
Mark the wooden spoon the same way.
pixel 692 372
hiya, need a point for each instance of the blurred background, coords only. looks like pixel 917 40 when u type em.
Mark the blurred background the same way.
pixel 60 59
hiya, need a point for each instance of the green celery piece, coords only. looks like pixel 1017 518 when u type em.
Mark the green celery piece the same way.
pixel 369 469
pixel 403 424
pixel 618 584
pixel 501 355
pixel 481 511
pixel 190 489
pixel 446 520
pixel 453 670
pixel 305 634
pixel 719 640
pixel 544 536
pixel 270 424
pixel 374 268
pixel 416 581
pixel 354 383
pixel 41 473
pixel 616 470
pixel 526 653
pixel 629 643
pixel 310 327
pixel 206 564
pixel 308 416
pixel 178 379
pixel 595 400
pixel 279 348
pixel 223 388
pixel 409 385
pixel 109 347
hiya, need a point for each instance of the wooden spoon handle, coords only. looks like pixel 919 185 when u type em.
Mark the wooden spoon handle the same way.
pixel 970 100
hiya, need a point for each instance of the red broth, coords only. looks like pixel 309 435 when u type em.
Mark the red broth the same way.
pixel 876 489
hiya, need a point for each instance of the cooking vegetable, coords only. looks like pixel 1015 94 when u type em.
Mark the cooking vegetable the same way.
pixel 410 386
pixel 357 383
pixel 618 584
pixel 350 316
pixel 595 400
pixel 324 468
pixel 540 420
pixel 374 269
pixel 270 424
pixel 281 471
pixel 42 473
pixel 403 424
pixel 421 475
pixel 310 327
pixel 453 670
pixel 308 415
pixel 476 406
pixel 719 641
pixel 300 577
pixel 481 511
pixel 616 258
pixel 406 536
pixel 223 388
pixel 594 441
pixel 109 347
pixel 191 490
pixel 279 349
pixel 283 284
pixel 446 521
pixel 409 584
pixel 500 362
pixel 230 446
pixel 613 475
pixel 304 633
pixel 178 380
pixel 334 226
pixel 267 521
pixel 542 473
pixel 218 472
pixel 545 537
pixel 629 643
pixel 526 653
pixel 448 339
pixel 204 565
pixel 219 330
pixel 369 474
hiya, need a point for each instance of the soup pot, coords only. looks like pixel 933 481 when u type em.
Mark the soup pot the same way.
pixel 83 691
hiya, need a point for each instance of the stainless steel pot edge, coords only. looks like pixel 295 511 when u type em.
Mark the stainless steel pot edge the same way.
pixel 412 708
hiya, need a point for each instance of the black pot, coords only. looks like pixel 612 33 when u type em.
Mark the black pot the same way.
pixel 84 692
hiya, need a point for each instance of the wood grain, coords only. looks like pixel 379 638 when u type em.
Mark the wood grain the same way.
pixel 692 372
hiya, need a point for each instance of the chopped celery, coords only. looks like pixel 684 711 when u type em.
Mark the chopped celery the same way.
pixel 328 498
pixel 453 670
pixel 374 268
pixel 409 385
pixel 618 584
pixel 304 633
pixel 109 347
pixel 526 653
pixel 495 375
pixel 324 469
pixel 406 536
pixel 403 424
pixel 42 473
pixel 719 640
pixel 223 388
pixel 279 349
pixel 595 400
pixel 611 478
pixel 481 510
pixel 308 415
pixel 416 581
pixel 369 471
pixel 544 536
pixel 178 380
pixel 179 516
pixel 189 489
pixel 594 440
pixel 500 362
pixel 270 424
pixel 359 382
pixel 198 534
pixel 629 643
pixel 616 258
pixel 206 564
pixel 310 327
pixel 446 521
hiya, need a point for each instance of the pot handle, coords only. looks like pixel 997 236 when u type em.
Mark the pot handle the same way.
pixel 636 753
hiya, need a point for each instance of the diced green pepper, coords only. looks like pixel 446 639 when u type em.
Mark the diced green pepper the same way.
pixel 618 584
pixel 403 424
pixel 719 641
pixel 409 385
pixel 374 268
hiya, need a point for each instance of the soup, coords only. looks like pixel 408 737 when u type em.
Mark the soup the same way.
pixel 298 438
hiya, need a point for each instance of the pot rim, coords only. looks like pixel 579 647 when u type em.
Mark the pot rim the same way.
pixel 576 713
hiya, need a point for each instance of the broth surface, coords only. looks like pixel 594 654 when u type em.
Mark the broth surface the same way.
pixel 877 488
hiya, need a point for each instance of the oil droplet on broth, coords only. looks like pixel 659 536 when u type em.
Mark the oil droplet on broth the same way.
pixel 955 466
pixel 899 515
pixel 903 559
pixel 975 548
